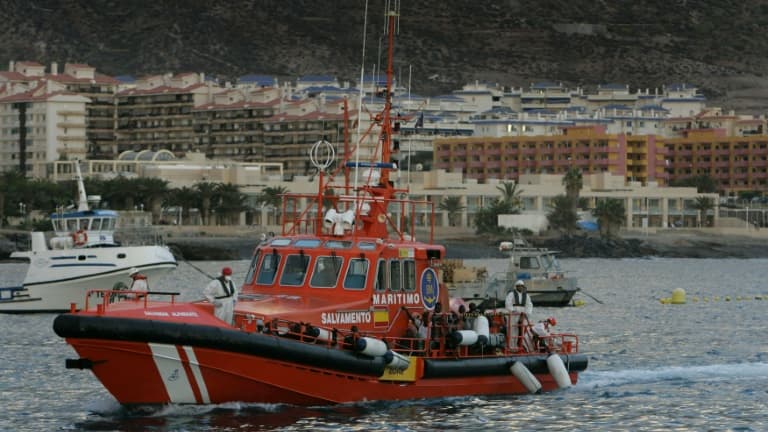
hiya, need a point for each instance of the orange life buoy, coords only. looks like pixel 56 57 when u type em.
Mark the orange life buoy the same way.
pixel 80 237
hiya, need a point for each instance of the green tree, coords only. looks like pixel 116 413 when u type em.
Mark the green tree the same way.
pixel 610 214
pixel 11 193
pixel 510 194
pixel 271 196
pixel 121 193
pixel 453 206
pixel 703 205
pixel 184 197
pixel 563 217
pixel 573 182
pixel 206 192
pixel 153 192
pixel 487 219
pixel 229 202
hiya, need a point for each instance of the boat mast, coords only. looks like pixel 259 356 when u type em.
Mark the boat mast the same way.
pixel 82 199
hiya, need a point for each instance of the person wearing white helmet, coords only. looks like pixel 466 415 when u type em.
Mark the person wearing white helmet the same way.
pixel 138 280
pixel 519 304
pixel 518 299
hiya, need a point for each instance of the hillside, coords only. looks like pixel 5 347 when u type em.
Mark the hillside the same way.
pixel 717 45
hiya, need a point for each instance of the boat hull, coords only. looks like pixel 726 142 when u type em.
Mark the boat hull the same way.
pixel 155 363
pixel 57 278
pixel 543 292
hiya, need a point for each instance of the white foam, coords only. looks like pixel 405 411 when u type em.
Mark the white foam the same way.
pixel 591 379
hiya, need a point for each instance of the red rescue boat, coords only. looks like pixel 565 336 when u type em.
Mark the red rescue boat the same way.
pixel 344 305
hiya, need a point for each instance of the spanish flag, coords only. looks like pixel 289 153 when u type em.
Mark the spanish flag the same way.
pixel 380 317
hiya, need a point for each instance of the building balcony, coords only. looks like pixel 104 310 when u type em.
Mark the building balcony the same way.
pixel 476 164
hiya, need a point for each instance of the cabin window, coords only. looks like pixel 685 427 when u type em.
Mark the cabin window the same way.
pixel 58 225
pixel 72 225
pixel 83 224
pixel 409 275
pixel 307 243
pixel 366 245
pixel 294 270
pixel 96 224
pixel 356 274
pixel 338 244
pixel 395 280
pixel 268 269
pixel 108 224
pixel 529 263
pixel 326 271
pixel 252 268
pixel 381 276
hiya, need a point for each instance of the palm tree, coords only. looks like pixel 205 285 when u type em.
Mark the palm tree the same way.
pixel 206 192
pixel 153 190
pixel 11 192
pixel 230 202
pixel 121 193
pixel 609 213
pixel 452 205
pixel 573 182
pixel 703 205
pixel 184 197
pixel 271 196
pixel 487 219
pixel 563 217
pixel 510 194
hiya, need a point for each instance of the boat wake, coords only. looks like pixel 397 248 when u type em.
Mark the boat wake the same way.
pixel 590 380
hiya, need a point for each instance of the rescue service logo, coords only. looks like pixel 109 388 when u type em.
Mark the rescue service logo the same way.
pixel 429 288
pixel 346 317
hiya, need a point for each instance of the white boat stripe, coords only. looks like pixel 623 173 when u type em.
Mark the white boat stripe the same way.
pixel 172 373
pixel 195 366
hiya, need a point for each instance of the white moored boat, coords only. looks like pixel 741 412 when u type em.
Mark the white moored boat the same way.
pixel 82 255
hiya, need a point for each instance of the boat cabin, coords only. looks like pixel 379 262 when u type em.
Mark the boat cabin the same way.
pixel 365 282
pixel 89 228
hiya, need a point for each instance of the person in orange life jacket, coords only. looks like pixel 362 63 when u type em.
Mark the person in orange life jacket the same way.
pixel 223 294
pixel 139 281
pixel 541 333
pixel 518 301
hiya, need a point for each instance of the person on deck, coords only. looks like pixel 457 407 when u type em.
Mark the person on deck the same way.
pixel 221 292
pixel 518 299
pixel 519 303
pixel 541 335
pixel 138 280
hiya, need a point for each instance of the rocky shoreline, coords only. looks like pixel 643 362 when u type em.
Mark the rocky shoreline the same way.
pixel 697 246
pixel 671 245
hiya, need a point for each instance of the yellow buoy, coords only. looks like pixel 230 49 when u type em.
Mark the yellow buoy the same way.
pixel 678 296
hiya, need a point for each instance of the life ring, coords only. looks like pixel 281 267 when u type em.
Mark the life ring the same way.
pixel 80 237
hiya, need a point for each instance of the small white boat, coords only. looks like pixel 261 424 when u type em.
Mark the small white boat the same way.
pixel 546 283
pixel 82 255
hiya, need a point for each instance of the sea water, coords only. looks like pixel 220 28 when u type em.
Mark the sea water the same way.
pixel 652 366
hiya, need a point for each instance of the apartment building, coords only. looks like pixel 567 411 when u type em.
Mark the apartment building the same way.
pixel 738 163
pixel 498 158
pixel 40 122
